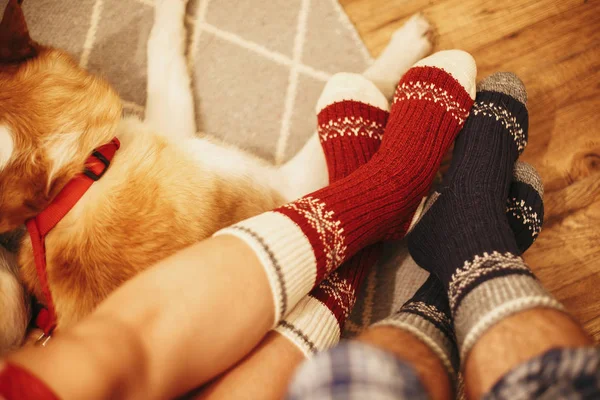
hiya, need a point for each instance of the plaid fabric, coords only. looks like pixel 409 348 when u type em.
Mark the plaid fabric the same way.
pixel 354 370
pixel 556 374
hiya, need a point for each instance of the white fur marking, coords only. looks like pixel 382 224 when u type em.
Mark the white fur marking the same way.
pixel 7 145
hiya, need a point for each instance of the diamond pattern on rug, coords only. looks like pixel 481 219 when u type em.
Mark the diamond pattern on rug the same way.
pixel 265 59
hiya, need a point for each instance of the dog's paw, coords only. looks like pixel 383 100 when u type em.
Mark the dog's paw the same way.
pixel 417 34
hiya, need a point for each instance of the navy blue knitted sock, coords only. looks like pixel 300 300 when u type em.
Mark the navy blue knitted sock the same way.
pixel 427 314
pixel 465 237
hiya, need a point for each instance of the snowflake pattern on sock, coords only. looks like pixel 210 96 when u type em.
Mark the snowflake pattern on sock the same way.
pixel 327 227
pixel 507 120
pixel 428 311
pixel 340 291
pixel 481 268
pixel 521 211
pixel 350 126
pixel 429 91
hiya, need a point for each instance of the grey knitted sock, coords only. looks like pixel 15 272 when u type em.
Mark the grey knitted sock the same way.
pixel 427 316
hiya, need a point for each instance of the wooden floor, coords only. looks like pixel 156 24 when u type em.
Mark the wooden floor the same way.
pixel 554 47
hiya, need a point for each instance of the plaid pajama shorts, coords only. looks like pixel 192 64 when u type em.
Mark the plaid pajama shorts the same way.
pixel 354 370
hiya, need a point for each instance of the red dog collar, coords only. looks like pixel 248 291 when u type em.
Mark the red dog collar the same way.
pixel 39 226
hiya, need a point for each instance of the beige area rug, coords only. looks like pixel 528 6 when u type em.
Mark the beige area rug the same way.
pixel 259 67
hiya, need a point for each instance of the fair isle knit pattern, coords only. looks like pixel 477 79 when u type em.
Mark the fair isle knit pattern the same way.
pixel 350 131
pixel 482 268
pixel 431 312
pixel 504 116
pixel 350 126
pixel 327 229
pixel 361 209
pixel 375 202
pixel 429 91
pixel 519 209
pixel 341 292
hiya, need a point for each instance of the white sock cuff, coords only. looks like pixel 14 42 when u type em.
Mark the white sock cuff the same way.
pixel 311 326
pixel 458 63
pixel 348 86
pixel 284 252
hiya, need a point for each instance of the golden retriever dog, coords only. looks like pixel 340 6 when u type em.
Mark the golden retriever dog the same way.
pixel 166 186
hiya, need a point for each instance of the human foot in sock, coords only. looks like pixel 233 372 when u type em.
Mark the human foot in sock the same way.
pixel 350 136
pixel 302 242
pixel 427 314
pixel 465 238
pixel 352 114
pixel 524 205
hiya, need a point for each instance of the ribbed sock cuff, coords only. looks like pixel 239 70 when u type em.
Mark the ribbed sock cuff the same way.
pixel 311 326
pixel 443 346
pixel 284 252
pixel 500 295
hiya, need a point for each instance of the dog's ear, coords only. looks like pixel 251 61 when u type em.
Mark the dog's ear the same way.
pixel 15 43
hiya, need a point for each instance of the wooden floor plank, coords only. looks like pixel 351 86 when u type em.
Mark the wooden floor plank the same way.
pixel 554 46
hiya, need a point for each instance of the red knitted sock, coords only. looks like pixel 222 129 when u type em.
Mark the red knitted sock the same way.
pixel 353 114
pixel 302 242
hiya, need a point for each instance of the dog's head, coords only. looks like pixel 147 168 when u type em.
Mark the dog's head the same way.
pixel 52 115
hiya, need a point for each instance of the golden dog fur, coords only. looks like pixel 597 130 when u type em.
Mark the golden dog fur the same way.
pixel 155 198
